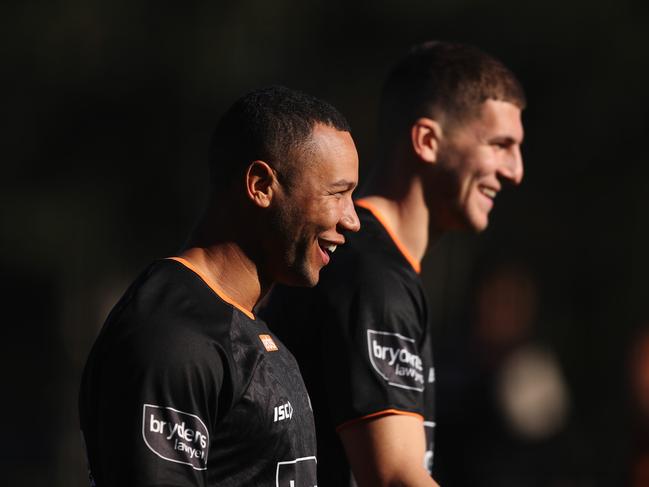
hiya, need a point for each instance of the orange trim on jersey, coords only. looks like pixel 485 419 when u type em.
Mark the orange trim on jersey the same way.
pixel 402 248
pixel 378 414
pixel 215 287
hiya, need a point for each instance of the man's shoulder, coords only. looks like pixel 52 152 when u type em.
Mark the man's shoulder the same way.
pixel 367 270
pixel 367 260
pixel 165 312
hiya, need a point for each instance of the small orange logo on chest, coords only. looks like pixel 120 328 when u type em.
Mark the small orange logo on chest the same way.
pixel 269 343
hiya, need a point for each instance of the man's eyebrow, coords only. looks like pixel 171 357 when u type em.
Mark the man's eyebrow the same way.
pixel 343 183
pixel 505 139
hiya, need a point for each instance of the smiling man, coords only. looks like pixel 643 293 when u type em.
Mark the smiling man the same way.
pixel 451 132
pixel 185 386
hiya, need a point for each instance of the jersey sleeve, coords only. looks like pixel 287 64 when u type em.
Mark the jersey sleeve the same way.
pixel 373 330
pixel 156 411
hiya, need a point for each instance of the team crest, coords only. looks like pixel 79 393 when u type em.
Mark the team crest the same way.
pixel 269 343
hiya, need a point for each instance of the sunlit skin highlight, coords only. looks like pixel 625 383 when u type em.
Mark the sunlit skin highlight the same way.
pixel 315 210
pixel 475 159
pixel 284 229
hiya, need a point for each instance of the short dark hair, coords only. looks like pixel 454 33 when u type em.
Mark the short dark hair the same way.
pixel 445 81
pixel 267 124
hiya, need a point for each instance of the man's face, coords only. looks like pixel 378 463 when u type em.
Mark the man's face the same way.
pixel 315 208
pixel 475 158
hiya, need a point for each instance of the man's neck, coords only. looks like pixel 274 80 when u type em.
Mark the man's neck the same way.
pixel 406 214
pixel 226 265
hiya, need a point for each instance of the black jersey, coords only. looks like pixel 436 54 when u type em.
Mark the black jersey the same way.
pixel 362 340
pixel 185 388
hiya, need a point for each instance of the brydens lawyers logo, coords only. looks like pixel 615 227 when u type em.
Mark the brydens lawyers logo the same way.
pixel 395 359
pixel 269 343
pixel 175 436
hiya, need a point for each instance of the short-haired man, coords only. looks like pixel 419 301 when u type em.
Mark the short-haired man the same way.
pixel 185 386
pixel 451 131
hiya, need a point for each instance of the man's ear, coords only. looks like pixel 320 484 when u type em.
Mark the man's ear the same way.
pixel 260 183
pixel 426 136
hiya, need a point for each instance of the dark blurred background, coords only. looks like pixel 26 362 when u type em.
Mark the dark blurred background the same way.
pixel 540 323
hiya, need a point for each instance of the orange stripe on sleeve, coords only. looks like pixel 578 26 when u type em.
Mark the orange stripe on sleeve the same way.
pixel 378 414
pixel 215 287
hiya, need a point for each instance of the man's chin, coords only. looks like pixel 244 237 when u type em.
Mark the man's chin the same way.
pixel 476 223
pixel 468 226
pixel 301 279
pixel 479 227
pixel 312 280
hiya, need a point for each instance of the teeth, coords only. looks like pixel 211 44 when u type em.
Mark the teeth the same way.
pixel 331 248
pixel 489 192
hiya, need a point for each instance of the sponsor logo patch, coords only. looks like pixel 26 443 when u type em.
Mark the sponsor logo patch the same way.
pixel 429 426
pixel 285 411
pixel 395 358
pixel 269 343
pixel 175 436
pixel 300 472
pixel 431 375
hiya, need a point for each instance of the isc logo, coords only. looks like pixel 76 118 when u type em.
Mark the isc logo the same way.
pixel 285 411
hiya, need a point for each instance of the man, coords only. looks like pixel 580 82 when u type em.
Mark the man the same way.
pixel 451 133
pixel 185 386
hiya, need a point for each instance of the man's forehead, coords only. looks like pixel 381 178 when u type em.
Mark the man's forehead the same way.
pixel 493 108
pixel 332 154
pixel 323 133
pixel 500 117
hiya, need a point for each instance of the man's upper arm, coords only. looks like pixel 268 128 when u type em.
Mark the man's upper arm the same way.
pixel 378 366
pixel 387 451
pixel 378 386
pixel 152 425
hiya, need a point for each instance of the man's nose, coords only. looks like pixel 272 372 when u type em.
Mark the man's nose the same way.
pixel 349 220
pixel 513 168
